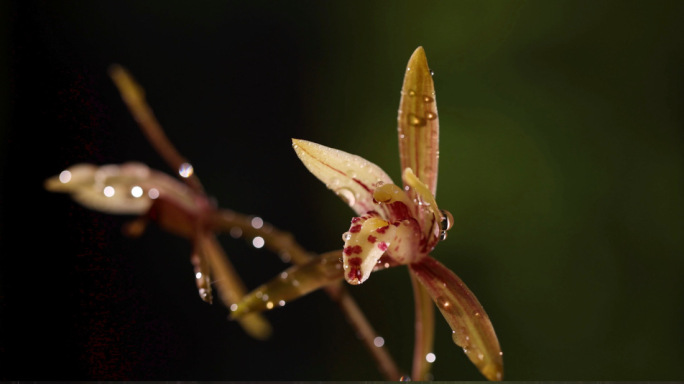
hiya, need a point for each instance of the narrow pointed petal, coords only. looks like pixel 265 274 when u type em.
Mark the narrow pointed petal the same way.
pixel 424 330
pixel 418 121
pixel 295 282
pixel 472 329
pixel 229 286
pixel 351 177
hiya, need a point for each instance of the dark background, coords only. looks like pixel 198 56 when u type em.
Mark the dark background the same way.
pixel 561 161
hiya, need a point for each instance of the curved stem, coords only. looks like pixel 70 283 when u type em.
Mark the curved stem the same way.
pixel 356 318
pixel 134 97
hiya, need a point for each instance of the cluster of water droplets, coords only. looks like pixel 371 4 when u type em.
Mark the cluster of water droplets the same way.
pixel 421 120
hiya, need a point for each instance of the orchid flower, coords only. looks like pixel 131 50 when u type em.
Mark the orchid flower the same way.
pixel 395 226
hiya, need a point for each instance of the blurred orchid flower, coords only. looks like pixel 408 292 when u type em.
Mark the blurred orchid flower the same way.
pixel 180 208
pixel 395 226
pixel 184 209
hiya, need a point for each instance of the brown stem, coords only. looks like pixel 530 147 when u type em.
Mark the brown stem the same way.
pixel 424 330
pixel 386 364
pixel 134 97
pixel 275 240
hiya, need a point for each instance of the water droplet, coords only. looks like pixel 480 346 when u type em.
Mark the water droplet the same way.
pixel 443 302
pixel 428 99
pixel 136 191
pixel 281 303
pixel 416 121
pixel 236 232
pixel 203 293
pixel 405 378
pixel 442 235
pixel 411 93
pixel 257 222
pixel 65 177
pixel 379 341
pixel 259 294
pixel 258 242
pixel 264 297
pixel 269 305
pixel 198 275
pixel 347 195
pixel 108 191
pixel 432 73
pixel 153 193
pixel 480 355
pixel 283 275
pixel 233 307
pixel 346 236
pixel 447 220
pixel 185 170
pixel 430 115
pixel 430 357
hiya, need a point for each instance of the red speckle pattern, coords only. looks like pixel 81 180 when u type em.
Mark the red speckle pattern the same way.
pixel 355 228
pixel 372 238
pixel 382 229
pixel 355 268
pixel 352 250
pixel 382 246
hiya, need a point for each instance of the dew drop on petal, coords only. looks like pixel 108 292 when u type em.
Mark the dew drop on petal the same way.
pixel 257 222
pixel 430 115
pixel 198 275
pixel 416 121
pixel 136 191
pixel 346 236
pixel 108 191
pixel 153 193
pixel 269 305
pixel 379 341
pixel 432 73
pixel 428 99
pixel 283 275
pixel 65 177
pixel 411 93
pixel 185 170
pixel 233 307
pixel 347 195
pixel 281 303
pixel 447 220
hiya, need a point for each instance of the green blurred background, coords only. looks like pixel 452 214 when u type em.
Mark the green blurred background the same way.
pixel 561 161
